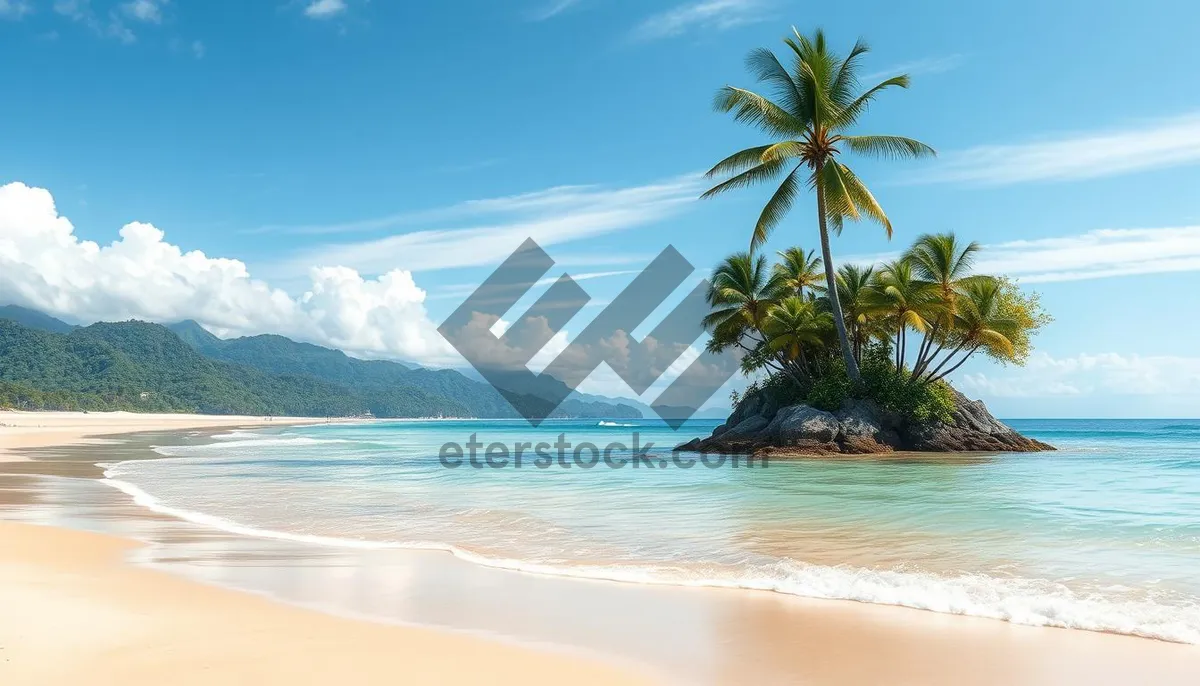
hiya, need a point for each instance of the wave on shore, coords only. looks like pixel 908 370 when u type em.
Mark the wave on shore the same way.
pixel 1022 601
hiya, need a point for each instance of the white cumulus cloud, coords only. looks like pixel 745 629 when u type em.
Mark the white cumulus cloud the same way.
pixel 44 265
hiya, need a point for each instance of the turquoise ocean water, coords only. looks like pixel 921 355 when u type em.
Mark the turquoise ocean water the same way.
pixel 1103 534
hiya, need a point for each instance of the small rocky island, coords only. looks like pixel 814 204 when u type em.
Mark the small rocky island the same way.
pixel 859 427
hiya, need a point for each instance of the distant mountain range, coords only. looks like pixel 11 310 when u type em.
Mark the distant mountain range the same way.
pixel 46 363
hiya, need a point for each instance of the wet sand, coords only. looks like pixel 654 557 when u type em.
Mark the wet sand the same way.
pixel 40 429
pixel 695 636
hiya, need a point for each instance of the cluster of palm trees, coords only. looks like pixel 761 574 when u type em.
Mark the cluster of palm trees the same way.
pixel 796 316
pixel 926 311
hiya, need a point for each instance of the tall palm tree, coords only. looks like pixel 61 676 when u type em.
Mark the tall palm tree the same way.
pixel 813 107
pixel 943 261
pixel 798 270
pixel 908 302
pixel 741 291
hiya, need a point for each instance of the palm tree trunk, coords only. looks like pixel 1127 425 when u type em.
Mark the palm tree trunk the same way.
pixel 854 339
pixel 931 375
pixel 951 370
pixel 923 350
pixel 930 357
pixel 839 321
pixel 896 352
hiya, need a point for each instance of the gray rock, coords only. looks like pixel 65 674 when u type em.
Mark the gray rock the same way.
pixel 747 428
pixel 973 415
pixel 860 420
pixel 747 407
pixel 801 422
pixel 859 427
pixel 769 408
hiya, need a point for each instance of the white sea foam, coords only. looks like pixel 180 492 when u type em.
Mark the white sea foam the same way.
pixel 605 423
pixel 238 434
pixel 258 441
pixel 1020 601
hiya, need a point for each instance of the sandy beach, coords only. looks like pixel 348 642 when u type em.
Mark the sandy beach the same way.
pixel 74 613
pixel 104 608
pixel 69 592
pixel 41 429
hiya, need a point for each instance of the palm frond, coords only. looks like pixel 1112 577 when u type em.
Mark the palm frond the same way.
pixel 846 81
pixel 751 108
pixel 786 150
pixel 738 161
pixel 776 208
pixel 763 172
pixel 768 69
pixel 838 202
pixel 996 340
pixel 891 147
pixel 863 199
pixel 850 113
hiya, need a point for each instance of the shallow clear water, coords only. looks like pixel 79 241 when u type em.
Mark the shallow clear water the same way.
pixel 1103 534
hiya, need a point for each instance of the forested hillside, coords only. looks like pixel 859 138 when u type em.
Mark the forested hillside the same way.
pixel 137 366
pixel 145 367
pixel 281 355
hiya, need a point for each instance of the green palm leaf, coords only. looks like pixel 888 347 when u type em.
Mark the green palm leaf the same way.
pixel 776 208
pixel 891 147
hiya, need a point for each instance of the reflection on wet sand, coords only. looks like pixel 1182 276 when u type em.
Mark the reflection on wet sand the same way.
pixel 697 635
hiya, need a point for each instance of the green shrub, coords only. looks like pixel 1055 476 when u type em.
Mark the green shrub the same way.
pixel 893 391
pixel 899 392
pixel 831 390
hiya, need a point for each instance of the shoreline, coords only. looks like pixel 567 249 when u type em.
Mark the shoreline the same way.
pixel 792 636
pixel 97 582
pixel 20 430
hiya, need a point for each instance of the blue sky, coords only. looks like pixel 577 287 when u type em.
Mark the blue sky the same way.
pixel 427 139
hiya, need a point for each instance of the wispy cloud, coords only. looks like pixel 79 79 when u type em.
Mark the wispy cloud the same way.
pixel 1089 374
pixel 1096 255
pixel 927 65
pixel 547 202
pixel 552 216
pixel 1142 146
pixel 705 14
pixel 552 9
pixel 1100 254
pixel 14 9
pixel 461 290
pixel 324 9
pixel 144 10
pixel 110 26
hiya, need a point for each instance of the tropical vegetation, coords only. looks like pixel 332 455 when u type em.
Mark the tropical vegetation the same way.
pixel 808 115
pixel 911 321
pixel 816 332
